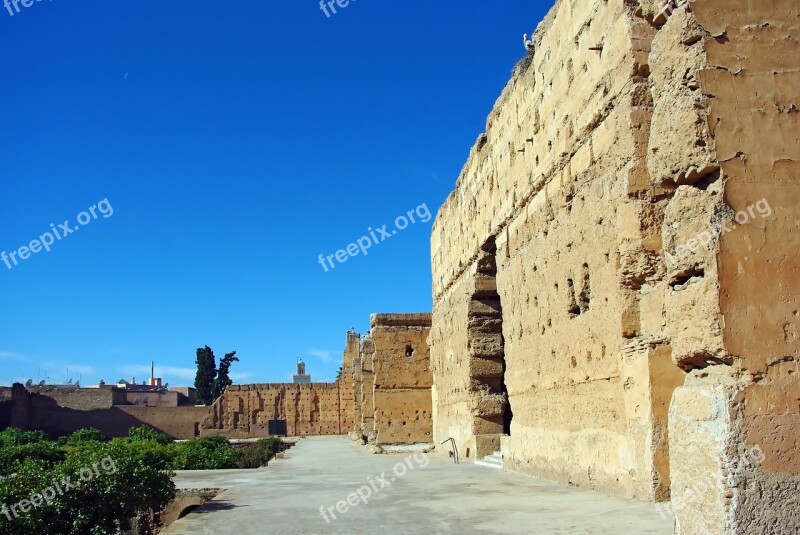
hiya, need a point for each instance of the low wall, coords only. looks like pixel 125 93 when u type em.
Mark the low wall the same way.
pixel 60 412
pixel 181 423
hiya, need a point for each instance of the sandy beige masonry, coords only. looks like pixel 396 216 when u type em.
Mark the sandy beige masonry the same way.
pixel 393 381
pixel 559 333
pixel 383 394
pixel 541 248
pixel 308 409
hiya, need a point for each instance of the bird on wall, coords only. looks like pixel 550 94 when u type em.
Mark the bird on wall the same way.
pixel 528 42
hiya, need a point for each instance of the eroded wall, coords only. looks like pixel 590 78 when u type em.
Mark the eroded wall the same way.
pixel 558 188
pixel 244 411
pixel 347 381
pixel 732 307
pixel 402 378
pixel 61 411
pixel 366 395
pixel 308 409
pixel 644 350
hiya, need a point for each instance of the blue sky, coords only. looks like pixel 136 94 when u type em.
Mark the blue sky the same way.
pixel 235 142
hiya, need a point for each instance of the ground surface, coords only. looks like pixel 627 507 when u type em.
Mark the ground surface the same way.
pixel 439 497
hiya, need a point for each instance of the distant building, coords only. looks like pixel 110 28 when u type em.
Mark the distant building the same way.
pixel 150 393
pixel 301 376
pixel 154 393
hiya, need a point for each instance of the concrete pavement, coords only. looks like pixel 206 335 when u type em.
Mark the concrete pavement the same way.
pixel 407 494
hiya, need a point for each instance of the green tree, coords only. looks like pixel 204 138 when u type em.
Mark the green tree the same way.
pixel 223 380
pixel 206 375
pixel 211 382
pixel 339 374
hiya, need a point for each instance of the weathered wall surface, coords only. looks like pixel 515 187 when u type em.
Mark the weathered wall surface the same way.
pixel 733 307
pixel 81 398
pixel 309 409
pixel 241 412
pixel 402 378
pixel 358 378
pixel 182 423
pixel 577 283
pixel 365 398
pixel 58 412
pixel 539 258
pixel 153 399
pixel 6 407
pixel 347 381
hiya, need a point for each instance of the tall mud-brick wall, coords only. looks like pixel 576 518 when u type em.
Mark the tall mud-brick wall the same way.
pixel 308 409
pixel 539 345
pixel 365 394
pixel 732 307
pixel 402 389
pixel 393 381
pixel 346 381
pixel 637 353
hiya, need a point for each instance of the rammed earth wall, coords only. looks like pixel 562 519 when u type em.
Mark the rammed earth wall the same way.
pixel 560 335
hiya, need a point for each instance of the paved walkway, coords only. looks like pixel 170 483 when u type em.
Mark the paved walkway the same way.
pixel 432 496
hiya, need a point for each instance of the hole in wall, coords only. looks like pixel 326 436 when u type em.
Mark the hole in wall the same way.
pixel 573 309
pixel 585 294
pixel 682 279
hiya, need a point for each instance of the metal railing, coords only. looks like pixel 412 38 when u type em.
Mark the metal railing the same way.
pixel 455 448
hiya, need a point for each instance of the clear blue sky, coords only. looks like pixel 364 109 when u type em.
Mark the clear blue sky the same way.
pixel 235 141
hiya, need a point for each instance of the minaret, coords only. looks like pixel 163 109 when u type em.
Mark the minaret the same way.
pixel 301 376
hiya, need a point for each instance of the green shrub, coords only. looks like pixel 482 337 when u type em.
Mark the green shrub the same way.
pixel 46 452
pixel 259 453
pixel 111 485
pixel 141 479
pixel 83 435
pixel 159 456
pixel 208 453
pixel 147 433
pixel 17 437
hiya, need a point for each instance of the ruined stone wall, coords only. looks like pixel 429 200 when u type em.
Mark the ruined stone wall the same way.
pixel 367 387
pixel 309 409
pixel 358 377
pixel 402 378
pixel 153 399
pixel 14 407
pixel 59 411
pixel 347 380
pixel 579 281
pixel 732 306
pixel 241 412
pixel 534 299
pixel 81 398
pixel 181 423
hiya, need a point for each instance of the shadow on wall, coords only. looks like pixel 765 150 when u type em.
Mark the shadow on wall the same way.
pixel 29 410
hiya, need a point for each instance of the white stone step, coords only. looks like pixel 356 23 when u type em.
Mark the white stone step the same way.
pixel 494 460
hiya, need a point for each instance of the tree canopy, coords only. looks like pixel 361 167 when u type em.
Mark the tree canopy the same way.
pixel 210 381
